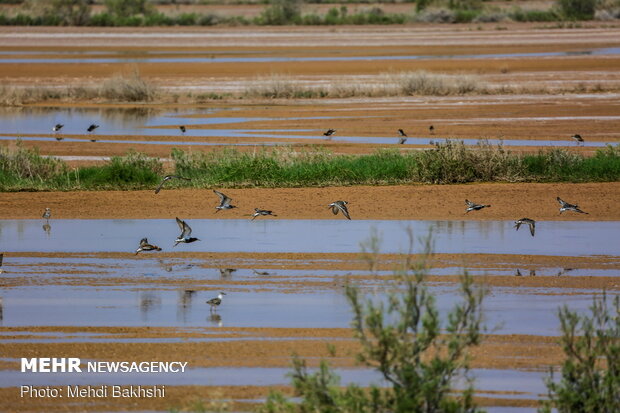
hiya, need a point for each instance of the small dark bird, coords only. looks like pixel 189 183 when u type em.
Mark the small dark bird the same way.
pixel 59 138
pixel 93 140
pixel 329 133
pixel 339 206
pixel 167 178
pixel 431 130
pixel 183 129
pixel 186 231
pixel 262 212
pixel 47 214
pixel 215 302
pixel 224 202
pixel 402 133
pixel 565 206
pixel 578 138
pixel 92 127
pixel 1 259
pixel 530 222
pixel 474 207
pixel 57 127
pixel 145 246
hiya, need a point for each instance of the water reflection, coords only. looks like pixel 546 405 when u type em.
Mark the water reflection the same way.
pixel 47 228
pixel 226 272
pixel 148 303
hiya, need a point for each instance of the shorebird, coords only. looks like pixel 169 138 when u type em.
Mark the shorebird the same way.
pixel 329 133
pixel 183 129
pixel 262 212
pixel 57 127
pixel 577 137
pixel 530 222
pixel 92 127
pixel 47 214
pixel 167 178
pixel 226 272
pixel 565 206
pixel 261 272
pixel 186 231
pixel 474 207
pixel 214 302
pixel 340 206
pixel 224 202
pixel 532 273
pixel 145 246
pixel 93 140
pixel 402 133
pixel 431 130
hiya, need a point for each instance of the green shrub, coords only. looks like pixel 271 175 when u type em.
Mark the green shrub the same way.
pixel 280 12
pixel 403 338
pixel 590 380
pixel 577 9
pixel 22 163
pixel 520 15
pixel 128 8
pixel 134 170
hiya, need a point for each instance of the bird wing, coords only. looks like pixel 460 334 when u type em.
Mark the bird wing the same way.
pixel 162 184
pixel 344 210
pixel 518 225
pixel 185 229
pixel 469 203
pixel 562 203
pixel 224 200
pixel 143 242
pixel 532 227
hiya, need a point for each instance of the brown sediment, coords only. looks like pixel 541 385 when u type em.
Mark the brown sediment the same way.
pixel 423 202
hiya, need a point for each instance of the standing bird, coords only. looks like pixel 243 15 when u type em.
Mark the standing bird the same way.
pixel 224 202
pixel 578 138
pixel 215 302
pixel 183 129
pixel 474 207
pixel 186 231
pixel 530 222
pixel 145 246
pixel 339 206
pixel 431 130
pixel 565 206
pixel 167 178
pixel 57 127
pixel 262 212
pixel 329 133
pixel 92 127
pixel 47 214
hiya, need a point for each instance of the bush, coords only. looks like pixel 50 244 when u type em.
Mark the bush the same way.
pixel 24 163
pixel 134 170
pixel 130 88
pixel 280 12
pixel 590 380
pixel 577 9
pixel 404 339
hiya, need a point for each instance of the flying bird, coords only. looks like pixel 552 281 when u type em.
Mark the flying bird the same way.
pixel 57 127
pixel 578 138
pixel 224 202
pixel 145 246
pixel 92 127
pixel 329 133
pixel 530 222
pixel 403 136
pixel 167 178
pixel 474 207
pixel 186 231
pixel 339 206
pixel 431 129
pixel 402 133
pixel 262 212
pixel 183 129
pixel 565 206
pixel 215 302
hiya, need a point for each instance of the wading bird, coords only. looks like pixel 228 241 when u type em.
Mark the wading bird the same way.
pixel 215 302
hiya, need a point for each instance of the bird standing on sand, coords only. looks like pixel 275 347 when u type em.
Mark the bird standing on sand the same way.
pixel 47 214
pixel 215 302
pixel 167 178
pixel 262 212
pixel 474 207
pixel 340 206
pixel 329 133
pixel 186 231
pixel 565 206
pixel 530 222
pixel 145 246
pixel 224 202
pixel 578 138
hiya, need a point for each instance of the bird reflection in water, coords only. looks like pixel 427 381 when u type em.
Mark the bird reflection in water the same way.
pixel 148 302
pixel 215 319
pixel 47 228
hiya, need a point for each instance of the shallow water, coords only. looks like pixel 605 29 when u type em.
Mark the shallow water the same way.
pixel 212 57
pixel 557 238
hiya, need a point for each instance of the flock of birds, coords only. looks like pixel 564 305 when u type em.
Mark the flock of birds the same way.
pixel 59 126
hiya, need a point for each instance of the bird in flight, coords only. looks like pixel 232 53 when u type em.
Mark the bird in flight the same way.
pixel 183 129
pixel 329 133
pixel 145 246
pixel 215 302
pixel 578 138
pixel 474 207
pixel 186 233
pixel 431 129
pixel 57 127
pixel 167 178
pixel 340 206
pixel 530 222
pixel 262 212
pixel 224 202
pixel 92 127
pixel 565 206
